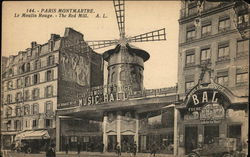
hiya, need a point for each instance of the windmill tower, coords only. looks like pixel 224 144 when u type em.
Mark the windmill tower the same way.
pixel 125 62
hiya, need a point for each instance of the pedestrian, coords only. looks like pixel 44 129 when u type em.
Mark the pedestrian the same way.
pixel 101 148
pixel 153 149
pixel 134 149
pixel 78 148
pixel 51 151
pixel 118 149
pixel 67 148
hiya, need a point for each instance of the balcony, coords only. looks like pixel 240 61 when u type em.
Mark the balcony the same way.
pixel 224 59
pixel 242 55
pixel 208 7
pixel 34 68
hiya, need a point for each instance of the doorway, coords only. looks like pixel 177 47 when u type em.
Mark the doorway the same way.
pixel 126 142
pixel 210 132
pixel 112 139
pixel 191 135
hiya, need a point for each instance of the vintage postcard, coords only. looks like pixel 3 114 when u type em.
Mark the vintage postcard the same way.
pixel 125 78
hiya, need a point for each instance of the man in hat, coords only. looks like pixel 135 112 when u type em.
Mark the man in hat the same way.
pixel 51 151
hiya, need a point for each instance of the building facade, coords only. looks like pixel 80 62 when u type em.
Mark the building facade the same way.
pixel 213 57
pixel 120 113
pixel 39 78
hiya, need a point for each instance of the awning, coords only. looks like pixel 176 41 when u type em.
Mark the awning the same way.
pixel 28 135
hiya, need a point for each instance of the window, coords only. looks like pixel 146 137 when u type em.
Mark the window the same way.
pixel 210 131
pixel 19 97
pixel 49 76
pixel 26 95
pixel 8 125
pixel 190 59
pixel 35 78
pixel 205 54
pixel 17 125
pixel 242 47
pixel 22 68
pixel 122 75
pixel 224 24
pixel 192 9
pixel 48 91
pixel 26 110
pixel 34 123
pixel 73 139
pixel 48 107
pixel 191 34
pixel 113 77
pixel 241 78
pixel 10 72
pixel 206 30
pixel 10 85
pixel 243 19
pixel 234 131
pixel 37 64
pixel 223 52
pixel 189 85
pixel 50 60
pixel 8 112
pixel 19 83
pixel 9 98
pixel 26 123
pixel 35 93
pixel 48 123
pixel 223 80
pixel 27 67
pixel 27 81
pixel 35 109
pixel 18 111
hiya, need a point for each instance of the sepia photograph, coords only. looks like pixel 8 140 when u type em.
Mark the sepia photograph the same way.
pixel 125 78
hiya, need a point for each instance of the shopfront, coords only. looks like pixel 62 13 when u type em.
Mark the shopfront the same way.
pixel 209 112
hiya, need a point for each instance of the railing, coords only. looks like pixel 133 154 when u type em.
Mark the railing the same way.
pixel 208 6
pixel 33 68
pixel 153 92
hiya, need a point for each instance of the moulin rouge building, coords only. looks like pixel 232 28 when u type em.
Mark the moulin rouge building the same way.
pixel 120 112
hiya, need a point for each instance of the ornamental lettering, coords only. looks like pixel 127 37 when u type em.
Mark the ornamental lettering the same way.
pixel 204 98
pixel 201 98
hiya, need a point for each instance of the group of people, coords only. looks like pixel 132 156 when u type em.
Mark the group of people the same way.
pixel 132 149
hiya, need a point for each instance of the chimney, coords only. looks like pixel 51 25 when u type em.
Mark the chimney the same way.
pixel 33 44
pixel 54 37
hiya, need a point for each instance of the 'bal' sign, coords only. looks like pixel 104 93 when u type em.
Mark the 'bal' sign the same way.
pixel 201 97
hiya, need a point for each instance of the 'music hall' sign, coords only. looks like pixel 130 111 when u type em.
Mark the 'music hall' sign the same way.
pixel 105 94
pixel 100 94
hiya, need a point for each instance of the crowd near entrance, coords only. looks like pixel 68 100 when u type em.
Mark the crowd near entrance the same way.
pixel 127 142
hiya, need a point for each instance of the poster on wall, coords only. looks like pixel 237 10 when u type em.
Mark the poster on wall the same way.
pixel 107 65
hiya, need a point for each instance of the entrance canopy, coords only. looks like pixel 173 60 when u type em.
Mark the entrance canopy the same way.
pixel 37 134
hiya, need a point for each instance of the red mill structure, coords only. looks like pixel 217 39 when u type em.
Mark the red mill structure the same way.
pixel 125 66
pixel 121 112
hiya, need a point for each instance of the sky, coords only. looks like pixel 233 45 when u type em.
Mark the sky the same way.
pixel 160 70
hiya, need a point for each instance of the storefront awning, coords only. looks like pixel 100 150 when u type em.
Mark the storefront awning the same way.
pixel 28 135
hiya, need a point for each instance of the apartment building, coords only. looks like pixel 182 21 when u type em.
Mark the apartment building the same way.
pixel 37 79
pixel 213 56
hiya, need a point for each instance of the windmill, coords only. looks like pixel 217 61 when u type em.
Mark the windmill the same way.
pixel 125 62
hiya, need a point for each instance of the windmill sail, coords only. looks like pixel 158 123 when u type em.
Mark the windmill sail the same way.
pixel 119 6
pixel 97 44
pixel 156 35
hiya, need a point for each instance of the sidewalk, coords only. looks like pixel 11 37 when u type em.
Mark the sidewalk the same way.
pixel 114 154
